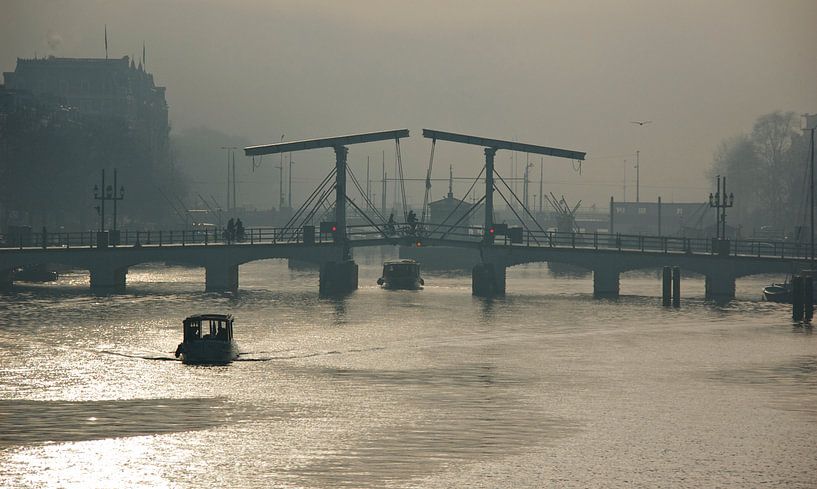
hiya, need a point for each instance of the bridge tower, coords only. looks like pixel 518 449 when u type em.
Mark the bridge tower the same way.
pixel 488 277
pixel 339 275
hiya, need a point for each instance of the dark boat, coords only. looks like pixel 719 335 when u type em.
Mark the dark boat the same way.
pixel 782 292
pixel 401 274
pixel 36 273
pixel 208 339
pixel 777 293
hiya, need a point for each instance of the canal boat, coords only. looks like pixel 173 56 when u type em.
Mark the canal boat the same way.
pixel 208 339
pixel 777 292
pixel 782 292
pixel 35 273
pixel 401 274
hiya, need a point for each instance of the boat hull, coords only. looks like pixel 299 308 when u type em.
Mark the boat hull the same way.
pixel 208 352
pixel 411 284
pixel 777 294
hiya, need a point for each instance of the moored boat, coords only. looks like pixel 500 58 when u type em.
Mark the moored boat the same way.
pixel 777 292
pixel 401 274
pixel 208 339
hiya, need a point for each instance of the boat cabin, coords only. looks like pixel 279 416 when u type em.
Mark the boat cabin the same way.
pixel 401 268
pixel 401 274
pixel 208 327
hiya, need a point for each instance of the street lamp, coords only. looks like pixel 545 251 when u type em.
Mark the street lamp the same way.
pixel 637 162
pixel 720 201
pixel 810 124
pixel 105 193
pixel 281 181
pixel 290 181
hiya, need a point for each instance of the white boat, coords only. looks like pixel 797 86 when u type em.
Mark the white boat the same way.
pixel 208 339
pixel 401 274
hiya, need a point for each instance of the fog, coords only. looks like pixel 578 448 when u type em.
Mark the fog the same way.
pixel 566 74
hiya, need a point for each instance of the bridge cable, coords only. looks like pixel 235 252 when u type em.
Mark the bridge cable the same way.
pixel 453 211
pixel 309 199
pixel 515 213
pixel 366 199
pixel 379 230
pixel 523 206
pixel 428 179
pixel 307 203
pixel 300 215
pixel 402 181
pixel 320 202
pixel 464 215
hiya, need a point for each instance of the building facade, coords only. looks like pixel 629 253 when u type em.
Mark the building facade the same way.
pixel 100 87
pixel 660 218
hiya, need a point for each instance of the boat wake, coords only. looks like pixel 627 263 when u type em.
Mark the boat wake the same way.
pixel 142 356
pixel 244 356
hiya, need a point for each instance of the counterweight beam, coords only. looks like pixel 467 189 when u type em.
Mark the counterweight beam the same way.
pixel 501 144
pixel 368 137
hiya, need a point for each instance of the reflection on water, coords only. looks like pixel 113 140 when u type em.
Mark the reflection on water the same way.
pixel 23 422
pixel 546 387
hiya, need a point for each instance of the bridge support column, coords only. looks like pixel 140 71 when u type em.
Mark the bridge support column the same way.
pixel 338 277
pixel 108 278
pixel 720 286
pixel 6 279
pixel 488 280
pixel 221 278
pixel 605 282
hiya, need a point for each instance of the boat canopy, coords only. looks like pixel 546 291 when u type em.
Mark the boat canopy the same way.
pixel 219 327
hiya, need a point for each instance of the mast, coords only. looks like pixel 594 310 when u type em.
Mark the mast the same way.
pixel 450 181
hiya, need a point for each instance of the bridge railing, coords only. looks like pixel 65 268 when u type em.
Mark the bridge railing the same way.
pixel 665 244
pixel 184 237
pixel 402 231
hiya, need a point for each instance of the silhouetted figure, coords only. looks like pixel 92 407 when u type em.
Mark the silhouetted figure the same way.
pixel 239 230
pixel 390 224
pixel 412 221
pixel 230 230
pixel 45 237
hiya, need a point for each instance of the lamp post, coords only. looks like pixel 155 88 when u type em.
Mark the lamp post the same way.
pixel 281 181
pixel 810 124
pixel 230 151
pixel 289 193
pixel 720 201
pixel 638 163
pixel 106 193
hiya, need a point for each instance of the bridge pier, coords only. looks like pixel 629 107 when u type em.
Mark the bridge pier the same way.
pixel 108 278
pixel 605 282
pixel 6 279
pixel 338 277
pixel 488 280
pixel 221 278
pixel 720 286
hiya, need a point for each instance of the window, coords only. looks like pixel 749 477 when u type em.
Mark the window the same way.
pixel 642 210
pixel 621 210
pixel 679 211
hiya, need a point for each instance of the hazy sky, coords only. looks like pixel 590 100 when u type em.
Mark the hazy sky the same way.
pixel 568 74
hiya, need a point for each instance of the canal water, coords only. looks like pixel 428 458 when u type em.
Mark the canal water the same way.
pixel 547 387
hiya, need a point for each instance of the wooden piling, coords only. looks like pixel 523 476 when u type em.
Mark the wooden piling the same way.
pixel 797 298
pixel 666 285
pixel 676 286
pixel 808 298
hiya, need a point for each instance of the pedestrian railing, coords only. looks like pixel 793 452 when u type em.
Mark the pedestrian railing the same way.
pixel 409 233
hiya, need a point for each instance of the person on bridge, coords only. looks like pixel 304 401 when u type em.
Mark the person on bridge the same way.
pixel 390 224
pixel 412 221
pixel 230 232
pixel 239 230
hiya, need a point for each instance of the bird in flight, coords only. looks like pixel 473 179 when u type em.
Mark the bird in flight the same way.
pixel 640 123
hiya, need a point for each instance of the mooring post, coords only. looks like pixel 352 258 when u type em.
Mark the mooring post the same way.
pixel 808 298
pixel 666 286
pixel 676 286
pixel 797 298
